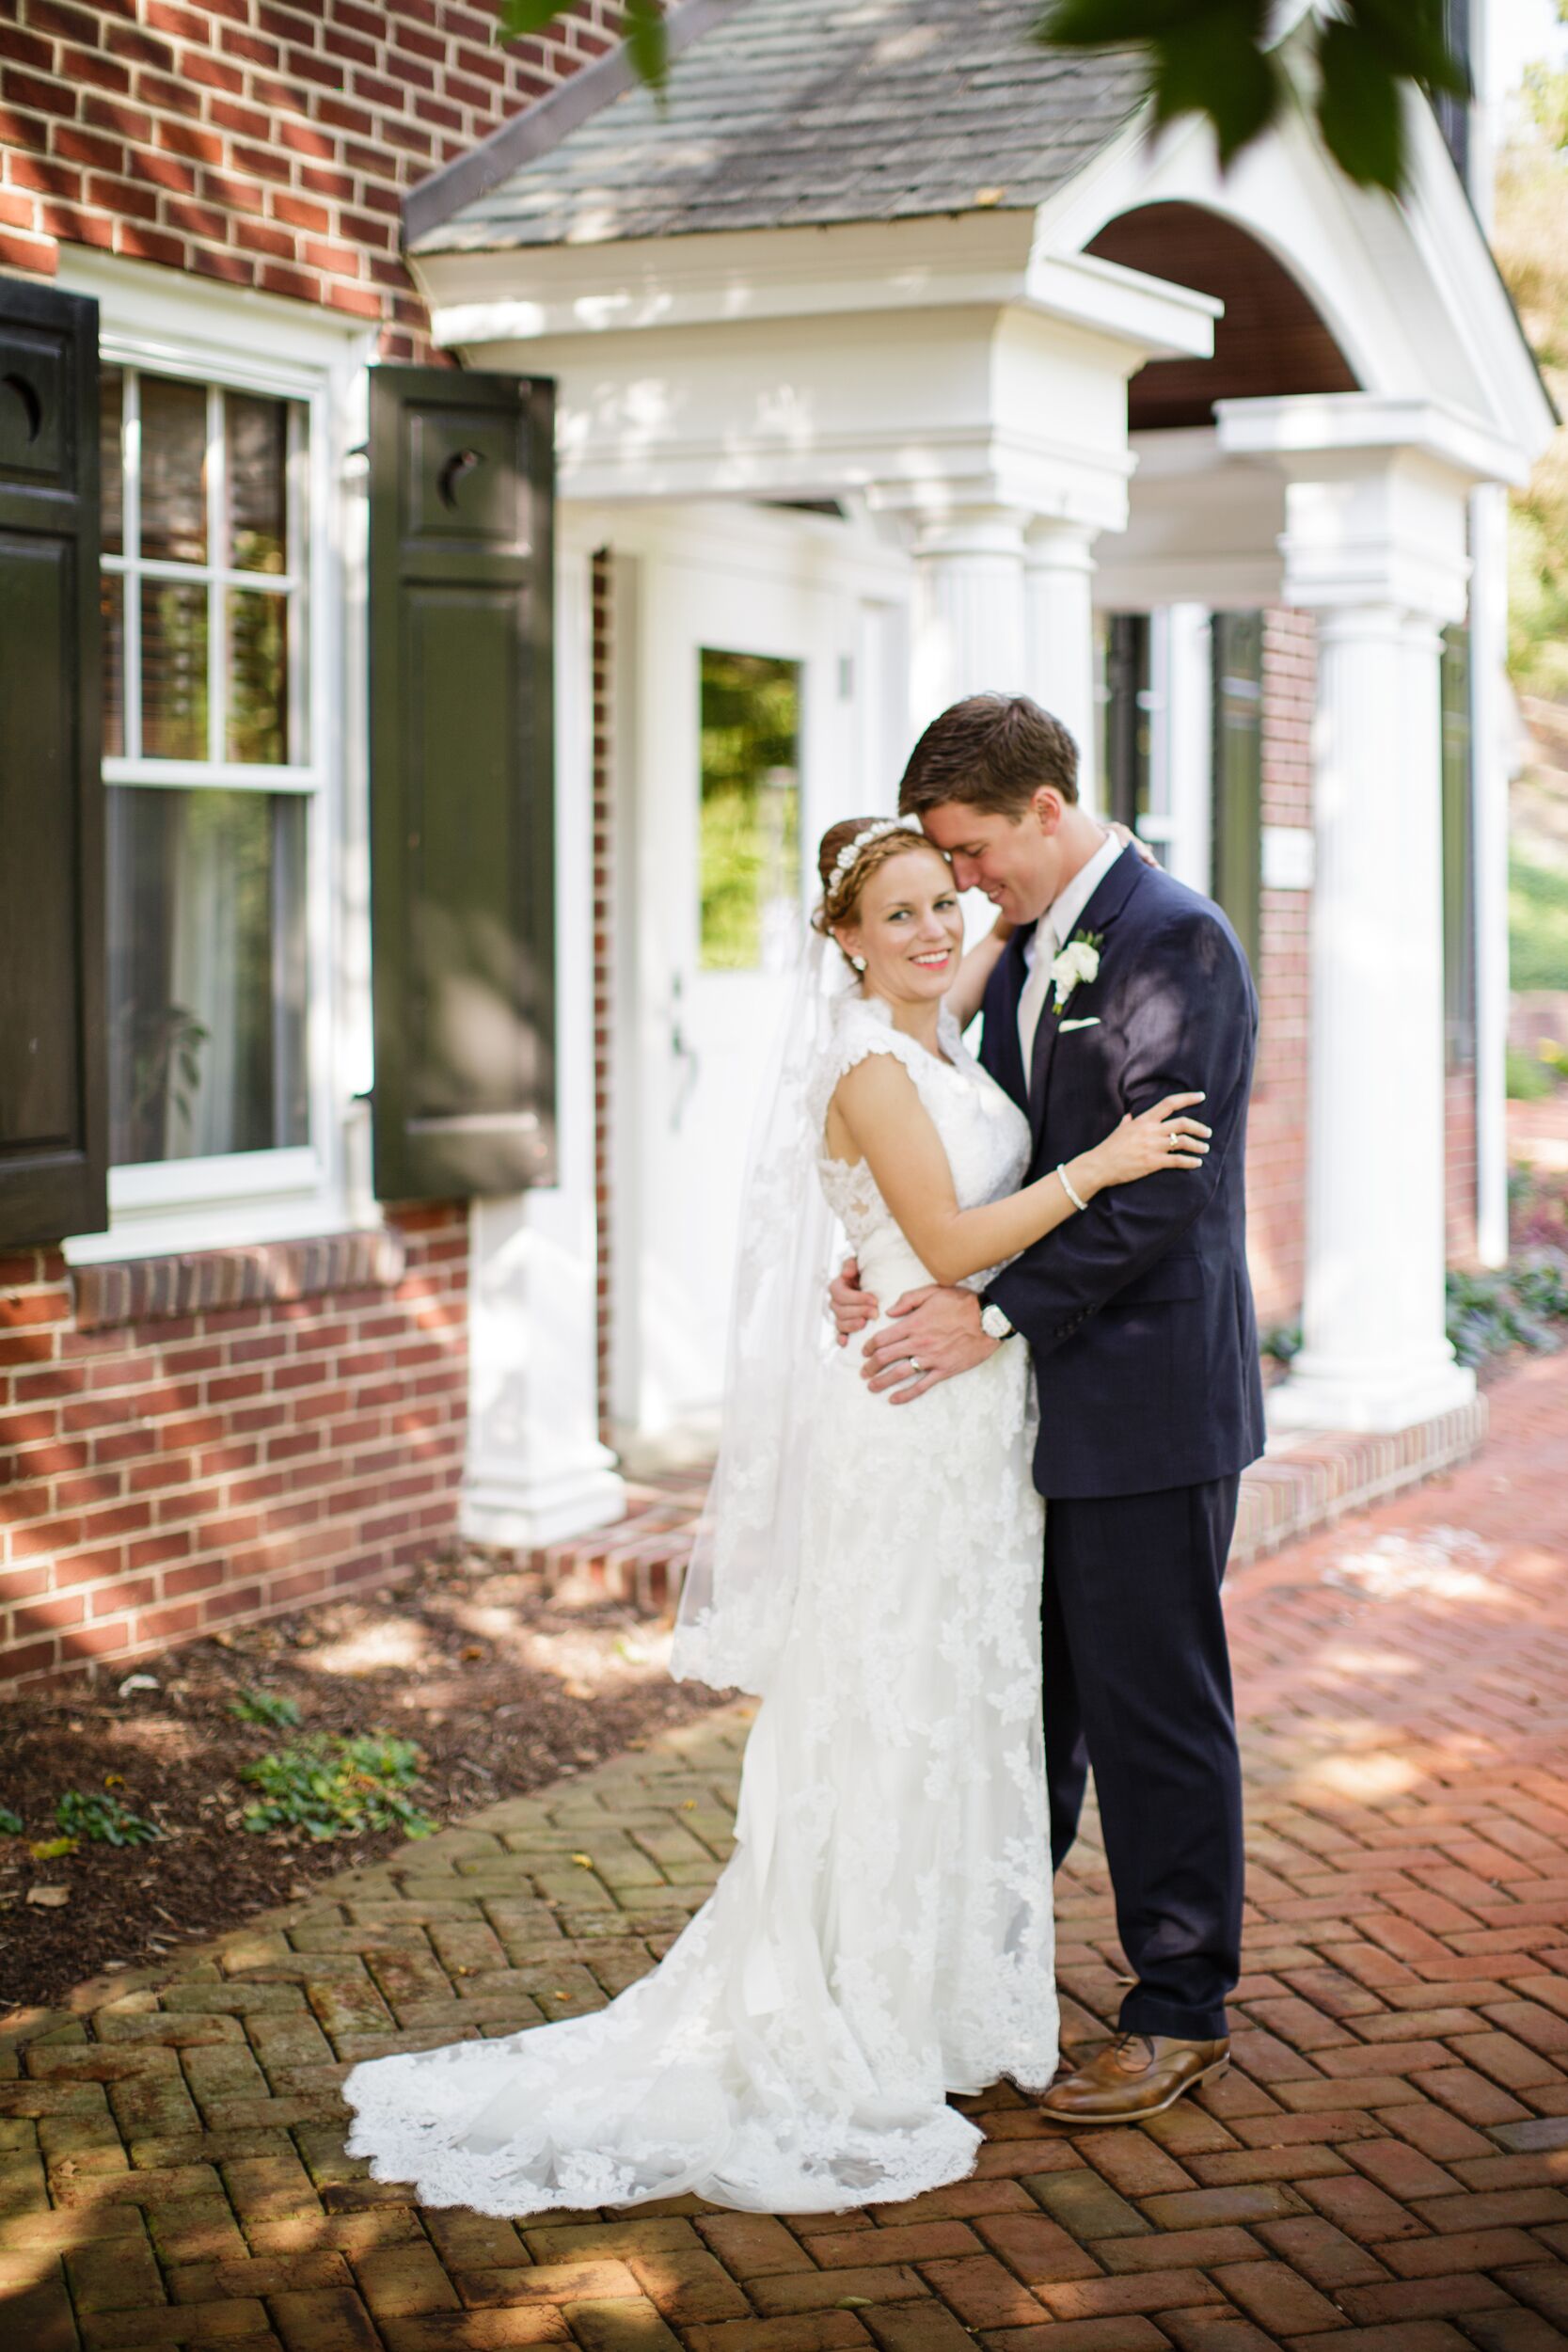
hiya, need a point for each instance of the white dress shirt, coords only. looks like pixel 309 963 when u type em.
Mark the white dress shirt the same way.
pixel 1051 932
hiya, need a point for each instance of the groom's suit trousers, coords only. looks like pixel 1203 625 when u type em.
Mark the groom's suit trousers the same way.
pixel 1137 1685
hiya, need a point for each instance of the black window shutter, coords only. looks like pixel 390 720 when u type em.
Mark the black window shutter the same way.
pixel 53 1103
pixel 1459 973
pixel 462 782
pixel 1238 774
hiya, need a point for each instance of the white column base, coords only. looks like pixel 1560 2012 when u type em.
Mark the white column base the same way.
pixel 1366 1400
pixel 521 1513
pixel 537 1470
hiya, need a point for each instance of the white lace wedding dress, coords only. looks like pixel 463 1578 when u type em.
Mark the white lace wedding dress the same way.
pixel 882 1934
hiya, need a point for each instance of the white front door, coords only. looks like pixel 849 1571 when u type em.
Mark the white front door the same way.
pixel 761 704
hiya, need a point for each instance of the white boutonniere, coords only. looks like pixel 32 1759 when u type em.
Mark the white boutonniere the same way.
pixel 1078 960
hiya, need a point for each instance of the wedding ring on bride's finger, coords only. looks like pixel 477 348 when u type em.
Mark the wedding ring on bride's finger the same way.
pixel 916 1367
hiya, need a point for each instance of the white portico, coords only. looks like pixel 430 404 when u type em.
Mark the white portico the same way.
pixel 1038 372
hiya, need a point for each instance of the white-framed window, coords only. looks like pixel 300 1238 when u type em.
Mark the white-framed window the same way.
pixel 224 426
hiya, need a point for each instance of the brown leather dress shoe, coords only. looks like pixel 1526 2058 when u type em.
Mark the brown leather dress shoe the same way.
pixel 1139 2074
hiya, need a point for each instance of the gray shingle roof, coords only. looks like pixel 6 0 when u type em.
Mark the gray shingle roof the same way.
pixel 794 112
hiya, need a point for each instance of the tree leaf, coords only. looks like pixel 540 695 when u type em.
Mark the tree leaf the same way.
pixel 1360 108
pixel 516 18
pixel 1411 38
pixel 647 44
pixel 1242 100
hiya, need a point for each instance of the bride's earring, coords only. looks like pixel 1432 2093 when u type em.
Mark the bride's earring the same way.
pixel 858 963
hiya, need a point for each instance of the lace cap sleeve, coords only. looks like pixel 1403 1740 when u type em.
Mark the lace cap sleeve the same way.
pixel 863 1026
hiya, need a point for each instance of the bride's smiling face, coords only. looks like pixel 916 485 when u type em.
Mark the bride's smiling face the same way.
pixel 908 927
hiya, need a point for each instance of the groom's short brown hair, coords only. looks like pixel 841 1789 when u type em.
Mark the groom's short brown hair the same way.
pixel 992 752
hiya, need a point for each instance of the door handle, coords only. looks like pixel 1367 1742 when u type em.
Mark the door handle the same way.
pixel 684 1055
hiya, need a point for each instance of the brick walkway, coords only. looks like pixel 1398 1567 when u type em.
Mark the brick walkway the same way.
pixel 1382 2161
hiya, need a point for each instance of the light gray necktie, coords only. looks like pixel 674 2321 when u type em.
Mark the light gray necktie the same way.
pixel 1031 1004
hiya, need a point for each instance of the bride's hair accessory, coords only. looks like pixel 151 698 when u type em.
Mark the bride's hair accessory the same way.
pixel 850 854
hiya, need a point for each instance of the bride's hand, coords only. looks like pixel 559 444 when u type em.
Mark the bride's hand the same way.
pixel 1165 1137
pixel 1130 841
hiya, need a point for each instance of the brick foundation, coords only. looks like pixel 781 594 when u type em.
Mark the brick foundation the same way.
pixel 202 1462
pixel 259 144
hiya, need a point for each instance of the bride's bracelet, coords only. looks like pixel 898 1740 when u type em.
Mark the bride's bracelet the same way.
pixel 1066 1187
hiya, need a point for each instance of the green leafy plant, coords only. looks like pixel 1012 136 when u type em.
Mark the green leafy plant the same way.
pixel 1529 1080
pixel 10 1824
pixel 1524 1305
pixel 1283 1343
pixel 103 1821
pixel 265 1707
pixel 330 1787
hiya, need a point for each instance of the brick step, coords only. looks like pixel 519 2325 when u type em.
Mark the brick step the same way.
pixel 1300 1486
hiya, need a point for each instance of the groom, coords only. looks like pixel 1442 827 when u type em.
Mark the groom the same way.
pixel 1118 986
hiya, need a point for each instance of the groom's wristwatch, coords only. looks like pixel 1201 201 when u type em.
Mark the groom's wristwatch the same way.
pixel 994 1324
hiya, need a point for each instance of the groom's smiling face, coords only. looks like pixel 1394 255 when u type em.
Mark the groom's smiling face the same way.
pixel 1015 862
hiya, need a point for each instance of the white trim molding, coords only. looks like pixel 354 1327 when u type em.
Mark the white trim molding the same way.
pixel 159 322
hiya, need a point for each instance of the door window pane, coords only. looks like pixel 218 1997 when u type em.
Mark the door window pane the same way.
pixel 207 972
pixel 750 834
pixel 257 433
pixel 173 470
pixel 257 678
pixel 173 670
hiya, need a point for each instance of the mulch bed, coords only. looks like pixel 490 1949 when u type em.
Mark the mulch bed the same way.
pixel 502 1689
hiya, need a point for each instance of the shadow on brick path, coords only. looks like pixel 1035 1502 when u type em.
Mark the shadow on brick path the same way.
pixel 1387 2160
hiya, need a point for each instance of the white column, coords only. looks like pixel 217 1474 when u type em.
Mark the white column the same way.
pixel 1373 1353
pixel 969 616
pixel 1491 759
pixel 1060 619
pixel 1185 746
pixel 535 1470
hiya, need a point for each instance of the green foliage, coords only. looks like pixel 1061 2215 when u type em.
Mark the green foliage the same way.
pixel 641 22
pixel 1283 1343
pixel 1526 1305
pixel 750 853
pixel 334 1787
pixel 1537 923
pixel 1213 57
pixel 103 1821
pixel 10 1824
pixel 265 1707
pixel 1528 1079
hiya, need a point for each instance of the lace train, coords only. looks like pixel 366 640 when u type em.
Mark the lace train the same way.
pixel 882 1934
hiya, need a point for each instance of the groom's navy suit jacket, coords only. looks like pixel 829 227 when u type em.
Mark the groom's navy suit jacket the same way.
pixel 1138 1312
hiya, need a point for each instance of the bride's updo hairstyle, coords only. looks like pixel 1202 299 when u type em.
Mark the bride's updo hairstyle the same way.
pixel 844 882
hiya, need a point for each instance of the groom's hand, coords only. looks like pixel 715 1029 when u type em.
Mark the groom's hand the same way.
pixel 938 1330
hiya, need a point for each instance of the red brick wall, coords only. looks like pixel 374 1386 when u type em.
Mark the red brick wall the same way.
pixel 1277 1135
pixel 163 1476
pixel 262 144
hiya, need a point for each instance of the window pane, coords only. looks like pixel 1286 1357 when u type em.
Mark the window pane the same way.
pixel 751 812
pixel 111 486
pixel 111 599
pixel 258 677
pixel 173 470
pixel 257 433
pixel 173 670
pixel 207 973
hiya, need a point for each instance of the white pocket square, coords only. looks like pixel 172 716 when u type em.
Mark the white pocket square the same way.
pixel 1090 1020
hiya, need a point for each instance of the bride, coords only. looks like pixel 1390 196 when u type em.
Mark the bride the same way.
pixel 882 1934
